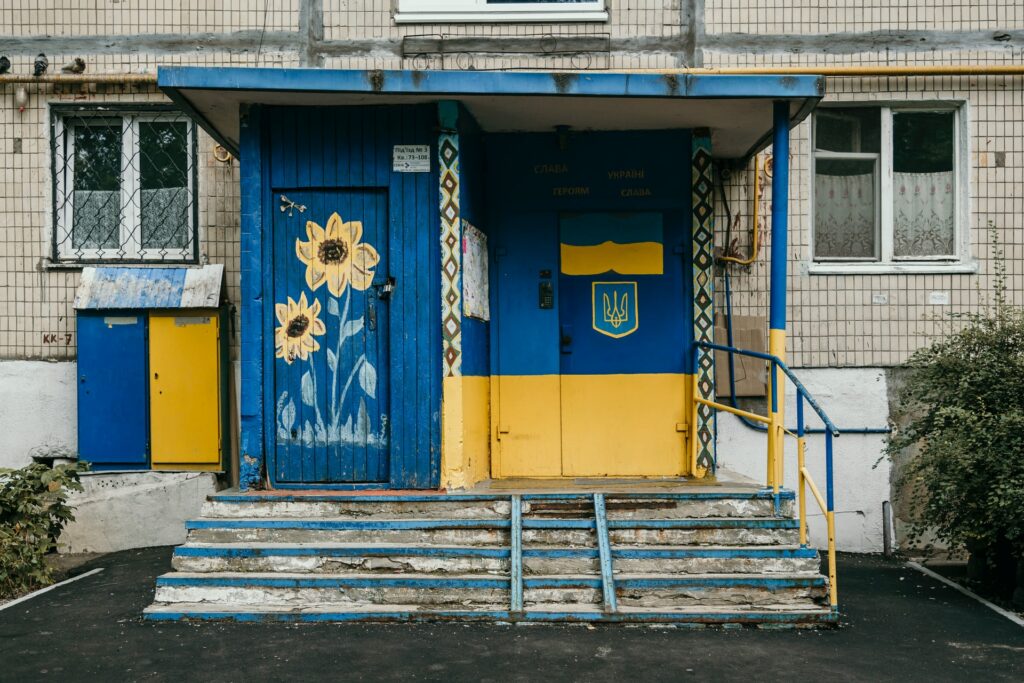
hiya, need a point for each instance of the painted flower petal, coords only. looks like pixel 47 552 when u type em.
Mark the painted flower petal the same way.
pixel 281 311
pixel 353 231
pixel 318 326
pixel 304 250
pixel 315 275
pixel 334 226
pixel 315 234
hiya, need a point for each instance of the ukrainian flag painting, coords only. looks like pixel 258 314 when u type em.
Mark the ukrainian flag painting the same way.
pixel 623 243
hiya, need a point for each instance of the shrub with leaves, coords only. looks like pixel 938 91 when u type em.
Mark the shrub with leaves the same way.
pixel 33 512
pixel 965 396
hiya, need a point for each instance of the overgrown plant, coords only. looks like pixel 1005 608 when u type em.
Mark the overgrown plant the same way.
pixel 33 512
pixel 965 396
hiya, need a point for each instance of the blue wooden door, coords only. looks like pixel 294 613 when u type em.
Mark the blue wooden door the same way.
pixel 331 336
pixel 113 390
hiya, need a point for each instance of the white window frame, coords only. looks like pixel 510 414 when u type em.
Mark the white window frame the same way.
pixel 480 11
pixel 130 238
pixel 885 260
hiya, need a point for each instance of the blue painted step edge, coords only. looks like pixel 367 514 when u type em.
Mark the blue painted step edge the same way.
pixel 462 551
pixel 762 494
pixel 397 524
pixel 744 617
pixel 312 581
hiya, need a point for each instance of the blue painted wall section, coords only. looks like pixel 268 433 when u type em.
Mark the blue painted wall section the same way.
pixel 254 191
pixel 704 294
pixel 347 148
pixel 533 182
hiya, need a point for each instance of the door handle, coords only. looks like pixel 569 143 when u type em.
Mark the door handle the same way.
pixel 565 339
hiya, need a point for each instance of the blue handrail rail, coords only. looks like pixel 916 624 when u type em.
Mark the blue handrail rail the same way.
pixel 786 370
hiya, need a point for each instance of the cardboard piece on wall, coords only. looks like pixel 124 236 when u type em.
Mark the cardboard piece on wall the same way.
pixel 749 332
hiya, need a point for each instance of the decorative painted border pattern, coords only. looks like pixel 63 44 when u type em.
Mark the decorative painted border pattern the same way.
pixel 451 254
pixel 704 295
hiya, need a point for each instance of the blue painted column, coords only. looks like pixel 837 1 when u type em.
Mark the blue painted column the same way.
pixel 251 452
pixel 777 310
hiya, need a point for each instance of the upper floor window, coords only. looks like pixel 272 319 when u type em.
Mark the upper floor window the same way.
pixel 467 11
pixel 889 187
pixel 123 185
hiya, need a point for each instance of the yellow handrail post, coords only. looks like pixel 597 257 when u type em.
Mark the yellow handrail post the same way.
pixel 833 590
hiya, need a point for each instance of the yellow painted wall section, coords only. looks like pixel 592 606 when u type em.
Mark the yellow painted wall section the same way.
pixel 624 425
pixel 184 390
pixel 465 438
pixel 527 434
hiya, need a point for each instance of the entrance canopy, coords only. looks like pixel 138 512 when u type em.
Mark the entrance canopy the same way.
pixel 737 109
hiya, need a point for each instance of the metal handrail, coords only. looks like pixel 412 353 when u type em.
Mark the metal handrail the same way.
pixel 785 369
pixel 827 504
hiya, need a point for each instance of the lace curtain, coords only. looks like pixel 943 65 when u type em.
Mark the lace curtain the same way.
pixel 844 216
pixel 923 214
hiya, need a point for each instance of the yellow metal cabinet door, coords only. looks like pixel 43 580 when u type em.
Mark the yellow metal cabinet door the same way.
pixel 184 390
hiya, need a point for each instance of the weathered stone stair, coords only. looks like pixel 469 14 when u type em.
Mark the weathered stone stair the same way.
pixel 703 557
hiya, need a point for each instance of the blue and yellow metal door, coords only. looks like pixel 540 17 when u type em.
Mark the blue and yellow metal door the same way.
pixel 184 389
pixel 331 291
pixel 622 345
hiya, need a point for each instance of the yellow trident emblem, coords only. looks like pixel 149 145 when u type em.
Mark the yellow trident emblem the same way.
pixel 615 313
pixel 614 308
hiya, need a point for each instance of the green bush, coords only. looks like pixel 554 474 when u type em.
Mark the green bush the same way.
pixel 33 511
pixel 965 398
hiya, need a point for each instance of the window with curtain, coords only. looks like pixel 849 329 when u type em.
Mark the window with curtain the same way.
pixel 124 185
pixel 886 185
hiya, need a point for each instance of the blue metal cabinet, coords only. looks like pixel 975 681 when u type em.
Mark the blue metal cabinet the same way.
pixel 113 423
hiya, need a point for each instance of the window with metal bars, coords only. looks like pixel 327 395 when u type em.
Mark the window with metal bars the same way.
pixel 124 185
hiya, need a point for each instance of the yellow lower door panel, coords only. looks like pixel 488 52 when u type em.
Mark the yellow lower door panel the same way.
pixel 528 440
pixel 624 425
pixel 184 390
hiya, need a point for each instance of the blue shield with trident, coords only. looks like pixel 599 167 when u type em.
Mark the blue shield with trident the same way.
pixel 615 308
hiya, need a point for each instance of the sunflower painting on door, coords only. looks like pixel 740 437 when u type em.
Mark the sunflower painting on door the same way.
pixel 334 256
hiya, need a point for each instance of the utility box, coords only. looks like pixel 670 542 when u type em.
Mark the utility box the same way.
pixel 185 389
pixel 152 368
pixel 113 428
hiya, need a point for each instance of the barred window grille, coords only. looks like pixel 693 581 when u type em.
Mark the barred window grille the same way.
pixel 124 185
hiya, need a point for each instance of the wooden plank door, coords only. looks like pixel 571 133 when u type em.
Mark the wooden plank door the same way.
pixel 330 367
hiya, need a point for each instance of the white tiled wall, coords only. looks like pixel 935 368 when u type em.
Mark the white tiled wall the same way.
pixel 833 319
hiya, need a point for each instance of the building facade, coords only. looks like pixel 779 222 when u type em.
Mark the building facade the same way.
pixel 868 280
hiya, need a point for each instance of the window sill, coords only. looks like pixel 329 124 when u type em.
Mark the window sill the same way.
pixel 948 268
pixel 484 17
pixel 48 264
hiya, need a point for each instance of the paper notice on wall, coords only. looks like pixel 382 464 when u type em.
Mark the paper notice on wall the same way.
pixel 475 282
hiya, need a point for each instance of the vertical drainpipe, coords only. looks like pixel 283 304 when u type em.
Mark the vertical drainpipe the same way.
pixel 777 309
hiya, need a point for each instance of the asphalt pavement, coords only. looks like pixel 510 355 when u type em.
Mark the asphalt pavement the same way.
pixel 897 624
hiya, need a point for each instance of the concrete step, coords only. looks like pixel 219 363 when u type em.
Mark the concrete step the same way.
pixel 555 532
pixel 497 506
pixel 394 558
pixel 665 506
pixel 773 616
pixel 694 590
pixel 302 590
pixel 341 506
pixel 636 590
